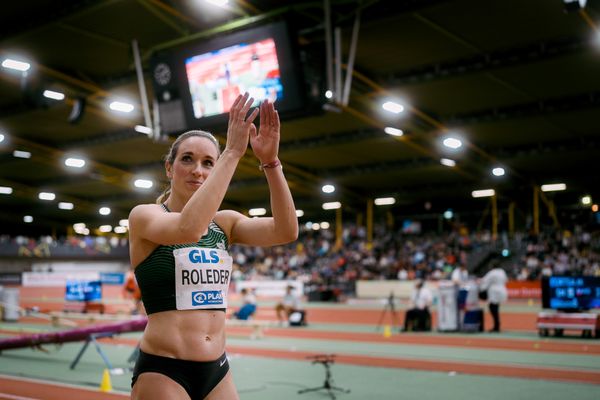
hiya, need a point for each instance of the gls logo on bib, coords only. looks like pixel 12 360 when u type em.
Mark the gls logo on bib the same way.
pixel 207 297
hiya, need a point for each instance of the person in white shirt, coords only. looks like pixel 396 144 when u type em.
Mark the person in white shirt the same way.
pixel 418 318
pixel 460 275
pixel 287 305
pixel 494 281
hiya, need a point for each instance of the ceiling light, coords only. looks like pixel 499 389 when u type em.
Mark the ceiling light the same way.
pixel 120 229
pixel 17 65
pixel 121 106
pixel 219 3
pixel 452 143
pixel 308 225
pixel 65 206
pixel 51 94
pixel 392 107
pixel 6 190
pixel 586 200
pixel 316 227
pixel 28 219
pixel 257 212
pixel 447 162
pixel 448 214
pixel 1 138
pixel 329 94
pixel 328 188
pixel 324 225
pixel 104 211
pixel 498 171
pixel 143 183
pixel 143 129
pixel 554 187
pixel 385 201
pixel 79 226
pixel 299 213
pixel 21 154
pixel 74 162
pixel 334 205
pixel 595 207
pixel 393 131
pixel 48 196
pixel 105 228
pixel 483 193
pixel 124 223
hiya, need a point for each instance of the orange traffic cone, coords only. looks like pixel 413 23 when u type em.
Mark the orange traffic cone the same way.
pixel 387 331
pixel 105 385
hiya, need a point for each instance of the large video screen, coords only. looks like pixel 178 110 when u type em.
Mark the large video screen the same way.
pixel 216 78
pixel 571 293
pixel 77 290
pixel 196 83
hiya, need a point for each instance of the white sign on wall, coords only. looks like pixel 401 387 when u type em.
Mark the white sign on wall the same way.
pixel 57 279
pixel 271 288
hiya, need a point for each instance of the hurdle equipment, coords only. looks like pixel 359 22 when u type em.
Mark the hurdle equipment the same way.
pixel 73 335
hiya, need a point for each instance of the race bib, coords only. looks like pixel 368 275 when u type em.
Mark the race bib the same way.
pixel 201 278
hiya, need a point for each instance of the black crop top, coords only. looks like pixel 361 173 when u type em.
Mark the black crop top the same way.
pixel 156 274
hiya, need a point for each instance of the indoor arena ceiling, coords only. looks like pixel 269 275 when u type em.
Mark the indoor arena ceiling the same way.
pixel 518 81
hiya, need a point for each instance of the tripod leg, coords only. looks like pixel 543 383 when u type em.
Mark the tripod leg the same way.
pixel 340 389
pixel 381 317
pixel 311 389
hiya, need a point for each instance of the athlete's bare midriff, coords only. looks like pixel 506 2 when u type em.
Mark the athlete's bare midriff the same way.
pixel 196 335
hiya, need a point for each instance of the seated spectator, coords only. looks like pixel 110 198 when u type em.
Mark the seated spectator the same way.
pixel 418 318
pixel 289 304
pixel 248 307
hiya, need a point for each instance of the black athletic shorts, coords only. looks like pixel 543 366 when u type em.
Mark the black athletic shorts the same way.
pixel 198 378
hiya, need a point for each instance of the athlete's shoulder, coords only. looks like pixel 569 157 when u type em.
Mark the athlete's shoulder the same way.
pixel 226 219
pixel 144 210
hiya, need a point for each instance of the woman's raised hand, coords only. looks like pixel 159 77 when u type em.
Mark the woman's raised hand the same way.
pixel 240 127
pixel 265 143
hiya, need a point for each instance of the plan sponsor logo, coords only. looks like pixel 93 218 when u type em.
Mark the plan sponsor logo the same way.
pixel 207 297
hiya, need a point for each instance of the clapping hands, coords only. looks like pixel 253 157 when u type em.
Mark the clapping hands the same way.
pixel 240 128
pixel 265 142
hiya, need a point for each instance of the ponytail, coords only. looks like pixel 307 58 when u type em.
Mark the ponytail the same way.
pixel 164 195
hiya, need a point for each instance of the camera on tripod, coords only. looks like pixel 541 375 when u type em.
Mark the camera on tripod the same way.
pixel 326 360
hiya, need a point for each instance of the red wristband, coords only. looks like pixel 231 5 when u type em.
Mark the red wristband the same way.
pixel 272 164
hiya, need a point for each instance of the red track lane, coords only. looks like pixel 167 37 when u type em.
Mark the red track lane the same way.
pixel 39 390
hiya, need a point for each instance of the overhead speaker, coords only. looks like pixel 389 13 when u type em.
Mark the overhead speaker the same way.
pixel 166 92
pixel 77 110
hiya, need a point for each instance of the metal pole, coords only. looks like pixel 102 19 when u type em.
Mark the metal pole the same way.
pixel 536 211
pixel 511 219
pixel 338 64
pixel 494 218
pixel 328 44
pixel 338 228
pixel 141 83
pixel 369 224
pixel 351 57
